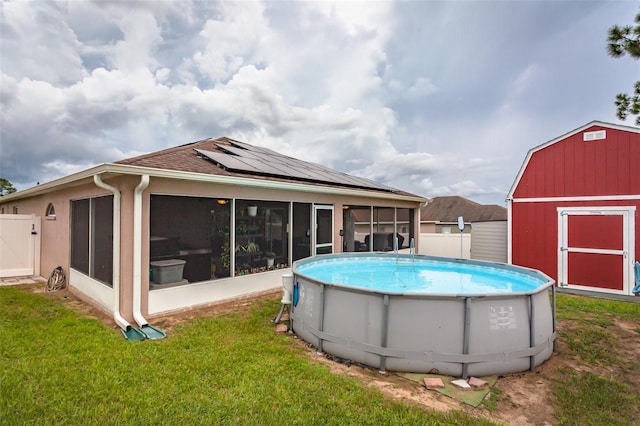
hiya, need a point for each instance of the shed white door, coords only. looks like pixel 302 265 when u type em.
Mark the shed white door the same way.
pixel 595 250
pixel 19 245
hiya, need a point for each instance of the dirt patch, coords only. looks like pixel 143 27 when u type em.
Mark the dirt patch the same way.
pixel 517 399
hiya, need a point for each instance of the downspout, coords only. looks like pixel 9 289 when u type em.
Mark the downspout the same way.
pixel 116 253
pixel 137 250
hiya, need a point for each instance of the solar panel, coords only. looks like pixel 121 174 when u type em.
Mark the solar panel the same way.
pixel 229 162
pixel 240 157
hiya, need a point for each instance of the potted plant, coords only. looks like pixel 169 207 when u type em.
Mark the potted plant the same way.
pixel 270 258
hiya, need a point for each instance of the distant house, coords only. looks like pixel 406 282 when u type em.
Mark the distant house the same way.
pixel 440 214
pixel 202 222
pixel 485 231
pixel 573 208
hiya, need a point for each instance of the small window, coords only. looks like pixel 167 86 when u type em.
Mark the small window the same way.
pixel 594 136
pixel 51 212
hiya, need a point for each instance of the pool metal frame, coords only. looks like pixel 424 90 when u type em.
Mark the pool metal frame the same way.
pixel 335 329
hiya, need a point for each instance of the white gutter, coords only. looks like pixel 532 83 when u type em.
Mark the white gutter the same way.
pixel 125 169
pixel 137 250
pixel 116 253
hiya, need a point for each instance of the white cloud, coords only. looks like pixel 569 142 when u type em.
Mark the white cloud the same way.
pixel 384 90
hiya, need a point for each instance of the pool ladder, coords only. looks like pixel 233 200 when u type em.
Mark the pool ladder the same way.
pixel 412 250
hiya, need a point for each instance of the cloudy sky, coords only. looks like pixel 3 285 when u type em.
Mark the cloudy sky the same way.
pixel 432 97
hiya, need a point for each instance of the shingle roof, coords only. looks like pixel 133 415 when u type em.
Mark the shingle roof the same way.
pixel 447 209
pixel 190 158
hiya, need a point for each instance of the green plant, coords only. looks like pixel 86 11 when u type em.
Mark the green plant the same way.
pixel 492 399
pixel 270 255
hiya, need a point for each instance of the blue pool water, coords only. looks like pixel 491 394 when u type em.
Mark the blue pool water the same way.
pixel 422 275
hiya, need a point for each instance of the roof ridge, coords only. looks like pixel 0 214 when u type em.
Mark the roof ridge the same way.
pixel 163 151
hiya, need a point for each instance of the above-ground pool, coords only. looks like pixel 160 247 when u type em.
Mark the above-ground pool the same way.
pixel 424 314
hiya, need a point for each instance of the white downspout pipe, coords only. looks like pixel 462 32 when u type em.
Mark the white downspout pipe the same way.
pixel 137 250
pixel 116 252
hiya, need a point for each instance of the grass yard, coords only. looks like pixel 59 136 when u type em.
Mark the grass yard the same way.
pixel 58 367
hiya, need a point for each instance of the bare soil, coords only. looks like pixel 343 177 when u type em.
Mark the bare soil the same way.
pixel 521 399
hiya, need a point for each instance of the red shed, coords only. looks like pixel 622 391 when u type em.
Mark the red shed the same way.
pixel 573 208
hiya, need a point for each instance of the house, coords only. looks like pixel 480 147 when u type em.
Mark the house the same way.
pixel 440 214
pixel 199 223
pixel 573 208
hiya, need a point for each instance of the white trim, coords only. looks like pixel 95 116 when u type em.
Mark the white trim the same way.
pixel 137 251
pixel 202 293
pixel 510 232
pixel 314 226
pixel 205 177
pixel 579 198
pixel 596 289
pixel 97 291
pixel 117 316
pixel 595 251
pixel 558 139
pixel 590 210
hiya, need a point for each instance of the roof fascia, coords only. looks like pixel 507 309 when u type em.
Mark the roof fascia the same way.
pixel 123 169
pixel 535 149
pixel 51 185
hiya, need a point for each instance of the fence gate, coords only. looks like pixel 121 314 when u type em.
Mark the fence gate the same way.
pixel 19 245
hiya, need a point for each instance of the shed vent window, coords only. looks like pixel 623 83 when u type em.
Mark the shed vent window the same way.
pixel 595 136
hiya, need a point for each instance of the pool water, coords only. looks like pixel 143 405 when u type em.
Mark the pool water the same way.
pixel 419 275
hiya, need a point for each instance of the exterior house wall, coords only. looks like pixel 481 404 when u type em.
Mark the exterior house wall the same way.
pixel 575 170
pixel 55 245
pixel 56 240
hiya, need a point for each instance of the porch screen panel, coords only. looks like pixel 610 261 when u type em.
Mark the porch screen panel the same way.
pixel 356 222
pixel 405 227
pixel 102 239
pixel 383 228
pixel 80 235
pixel 301 230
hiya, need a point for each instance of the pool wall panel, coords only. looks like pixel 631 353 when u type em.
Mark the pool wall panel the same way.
pixel 416 324
pixel 352 318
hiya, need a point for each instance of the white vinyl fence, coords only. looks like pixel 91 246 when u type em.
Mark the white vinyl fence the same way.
pixel 446 245
pixel 19 245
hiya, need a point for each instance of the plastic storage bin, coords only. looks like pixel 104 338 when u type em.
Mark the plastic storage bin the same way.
pixel 167 271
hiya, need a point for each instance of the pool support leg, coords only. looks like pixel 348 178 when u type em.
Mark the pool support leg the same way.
pixel 384 331
pixel 321 318
pixel 553 315
pixel 465 335
pixel 532 358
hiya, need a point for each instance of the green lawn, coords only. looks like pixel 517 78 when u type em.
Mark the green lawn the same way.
pixel 605 390
pixel 57 367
